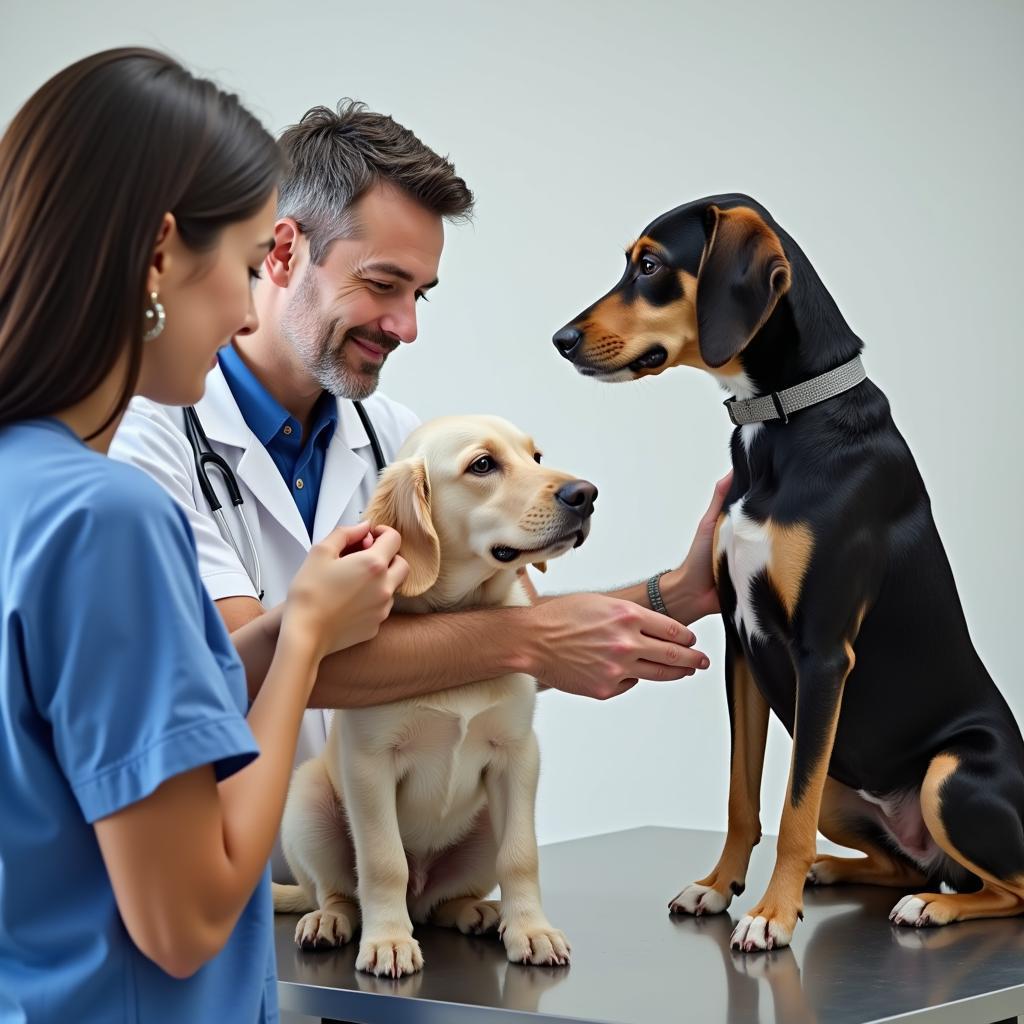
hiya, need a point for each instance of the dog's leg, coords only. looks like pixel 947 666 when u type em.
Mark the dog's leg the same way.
pixel 748 718
pixel 512 791
pixel 319 852
pixel 971 803
pixel 821 676
pixel 847 819
pixel 386 946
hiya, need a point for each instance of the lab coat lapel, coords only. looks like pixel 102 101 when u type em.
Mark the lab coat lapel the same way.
pixel 224 423
pixel 345 468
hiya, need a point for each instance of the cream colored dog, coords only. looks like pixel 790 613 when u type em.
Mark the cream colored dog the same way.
pixel 417 809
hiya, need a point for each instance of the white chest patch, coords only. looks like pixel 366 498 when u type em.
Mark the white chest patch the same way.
pixel 746 545
pixel 739 384
pixel 748 433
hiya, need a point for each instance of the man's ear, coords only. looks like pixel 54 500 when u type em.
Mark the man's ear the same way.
pixel 280 261
pixel 743 274
pixel 402 501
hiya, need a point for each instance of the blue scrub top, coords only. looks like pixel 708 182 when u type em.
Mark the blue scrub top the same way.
pixel 116 673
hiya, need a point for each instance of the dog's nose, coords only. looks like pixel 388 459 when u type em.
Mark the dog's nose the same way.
pixel 567 340
pixel 578 496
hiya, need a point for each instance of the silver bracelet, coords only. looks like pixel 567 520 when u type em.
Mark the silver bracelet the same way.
pixel 654 597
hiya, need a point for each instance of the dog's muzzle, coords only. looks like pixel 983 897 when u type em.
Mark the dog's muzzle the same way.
pixel 576 501
pixel 654 357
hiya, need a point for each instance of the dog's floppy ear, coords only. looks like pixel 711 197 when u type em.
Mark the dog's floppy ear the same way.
pixel 743 273
pixel 402 501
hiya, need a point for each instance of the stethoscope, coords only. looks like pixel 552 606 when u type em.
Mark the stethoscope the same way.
pixel 205 457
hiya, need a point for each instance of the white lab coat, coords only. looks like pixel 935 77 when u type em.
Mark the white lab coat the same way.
pixel 152 437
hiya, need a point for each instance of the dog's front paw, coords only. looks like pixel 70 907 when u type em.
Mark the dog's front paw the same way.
pixel 698 900
pixel 765 928
pixel 390 956
pixel 534 942
pixel 322 929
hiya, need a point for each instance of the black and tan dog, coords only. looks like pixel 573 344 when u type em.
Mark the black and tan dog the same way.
pixel 840 609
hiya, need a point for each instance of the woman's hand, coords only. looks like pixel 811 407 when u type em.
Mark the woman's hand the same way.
pixel 345 588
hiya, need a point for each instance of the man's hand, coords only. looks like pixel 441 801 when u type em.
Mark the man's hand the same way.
pixel 598 646
pixel 689 592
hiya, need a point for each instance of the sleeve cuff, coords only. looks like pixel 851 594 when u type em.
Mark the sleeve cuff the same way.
pixel 227 743
pixel 228 584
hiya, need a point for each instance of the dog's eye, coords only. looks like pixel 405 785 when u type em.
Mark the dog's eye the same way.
pixel 648 266
pixel 536 456
pixel 484 465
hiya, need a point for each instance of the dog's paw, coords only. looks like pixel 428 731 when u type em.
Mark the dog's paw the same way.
pixel 535 942
pixel 389 956
pixel 698 900
pixel 823 872
pixel 322 929
pixel 479 918
pixel 759 931
pixel 924 910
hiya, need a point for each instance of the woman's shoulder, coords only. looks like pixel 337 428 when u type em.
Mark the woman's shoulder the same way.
pixel 54 479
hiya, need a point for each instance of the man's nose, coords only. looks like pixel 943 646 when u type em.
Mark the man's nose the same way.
pixel 578 496
pixel 402 324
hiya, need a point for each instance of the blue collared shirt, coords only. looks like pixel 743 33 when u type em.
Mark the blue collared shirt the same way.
pixel 300 460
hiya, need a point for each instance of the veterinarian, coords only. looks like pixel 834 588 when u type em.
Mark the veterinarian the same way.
pixel 357 243
pixel 136 819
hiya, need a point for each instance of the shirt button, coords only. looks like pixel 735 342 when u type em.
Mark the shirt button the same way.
pixel 287 431
pixel 299 484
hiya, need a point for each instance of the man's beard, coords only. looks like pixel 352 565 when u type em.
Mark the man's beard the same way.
pixel 322 346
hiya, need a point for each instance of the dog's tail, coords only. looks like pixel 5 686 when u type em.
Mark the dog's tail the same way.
pixel 291 899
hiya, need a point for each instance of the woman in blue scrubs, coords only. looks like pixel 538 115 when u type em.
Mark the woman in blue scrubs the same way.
pixel 136 819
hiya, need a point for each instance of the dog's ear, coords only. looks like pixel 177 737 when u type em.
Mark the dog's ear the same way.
pixel 402 501
pixel 743 273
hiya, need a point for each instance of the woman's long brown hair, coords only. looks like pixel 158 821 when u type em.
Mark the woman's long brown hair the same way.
pixel 88 168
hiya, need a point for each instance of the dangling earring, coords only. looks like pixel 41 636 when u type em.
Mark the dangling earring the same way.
pixel 155 318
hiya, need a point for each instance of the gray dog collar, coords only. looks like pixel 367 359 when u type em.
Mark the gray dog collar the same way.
pixel 780 405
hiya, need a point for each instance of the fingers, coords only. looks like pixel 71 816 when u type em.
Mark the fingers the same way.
pixel 386 543
pixel 657 673
pixel 662 627
pixel 342 537
pixel 397 572
pixel 718 498
pixel 672 656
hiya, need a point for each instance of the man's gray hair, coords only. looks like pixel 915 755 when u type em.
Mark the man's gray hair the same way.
pixel 336 157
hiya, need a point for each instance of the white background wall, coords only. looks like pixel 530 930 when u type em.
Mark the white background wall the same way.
pixel 887 138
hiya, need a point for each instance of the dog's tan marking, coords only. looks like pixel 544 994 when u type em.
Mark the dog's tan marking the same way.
pixel 617 332
pixel 749 733
pixel 736 226
pixel 716 554
pixel 689 353
pixel 792 547
pixel 646 244
pixel 999 897
pixel 782 902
